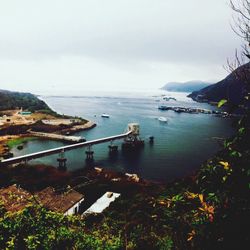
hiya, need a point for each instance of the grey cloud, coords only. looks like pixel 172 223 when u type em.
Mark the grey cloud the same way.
pixel 119 33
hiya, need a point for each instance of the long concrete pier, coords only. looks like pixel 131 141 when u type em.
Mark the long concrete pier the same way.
pixel 66 138
pixel 39 154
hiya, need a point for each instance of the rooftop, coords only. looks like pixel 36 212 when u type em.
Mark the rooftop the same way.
pixel 59 202
pixel 15 198
pixel 102 203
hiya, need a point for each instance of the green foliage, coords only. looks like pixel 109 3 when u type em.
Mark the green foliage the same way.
pixel 13 100
pixel 222 102
pixel 15 142
pixel 36 228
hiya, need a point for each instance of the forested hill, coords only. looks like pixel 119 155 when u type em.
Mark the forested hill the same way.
pixel 233 88
pixel 13 100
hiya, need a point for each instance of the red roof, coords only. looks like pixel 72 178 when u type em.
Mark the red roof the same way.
pixel 15 199
pixel 59 202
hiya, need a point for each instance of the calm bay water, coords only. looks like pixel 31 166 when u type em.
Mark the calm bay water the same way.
pixel 180 146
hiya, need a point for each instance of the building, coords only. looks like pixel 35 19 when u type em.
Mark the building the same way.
pixel 67 203
pixel 15 199
pixel 24 113
pixel 102 203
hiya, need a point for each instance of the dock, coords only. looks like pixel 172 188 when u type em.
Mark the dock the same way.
pixel 27 157
pixel 65 138
pixel 191 110
pixel 131 140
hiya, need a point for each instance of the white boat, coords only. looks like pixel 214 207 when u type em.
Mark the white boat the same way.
pixel 105 115
pixel 162 119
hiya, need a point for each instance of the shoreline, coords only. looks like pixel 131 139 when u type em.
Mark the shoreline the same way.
pixel 59 129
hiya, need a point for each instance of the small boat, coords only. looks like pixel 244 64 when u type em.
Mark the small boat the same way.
pixel 166 98
pixel 162 119
pixel 104 115
pixel 163 107
pixel 20 147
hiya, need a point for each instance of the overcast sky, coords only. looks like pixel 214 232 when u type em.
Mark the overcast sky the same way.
pixel 68 46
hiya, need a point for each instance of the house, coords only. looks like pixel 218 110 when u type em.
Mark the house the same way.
pixel 67 203
pixel 15 198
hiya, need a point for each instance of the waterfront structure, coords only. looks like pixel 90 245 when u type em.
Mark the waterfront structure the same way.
pixel 133 142
pixel 25 158
pixel 59 137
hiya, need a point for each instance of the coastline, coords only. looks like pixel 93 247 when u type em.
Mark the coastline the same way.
pixel 19 130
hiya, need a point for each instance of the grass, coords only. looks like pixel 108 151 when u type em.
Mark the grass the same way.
pixel 15 142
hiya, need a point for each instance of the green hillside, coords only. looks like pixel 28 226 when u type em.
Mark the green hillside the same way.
pixel 13 100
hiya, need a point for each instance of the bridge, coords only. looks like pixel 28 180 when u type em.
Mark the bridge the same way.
pixel 133 131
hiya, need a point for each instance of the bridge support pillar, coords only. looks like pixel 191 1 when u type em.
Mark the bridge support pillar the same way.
pixel 62 160
pixel 151 139
pixel 113 149
pixel 89 155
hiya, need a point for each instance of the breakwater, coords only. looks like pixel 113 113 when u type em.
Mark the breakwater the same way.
pixel 64 138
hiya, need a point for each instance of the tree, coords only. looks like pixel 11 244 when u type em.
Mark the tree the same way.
pixel 239 66
pixel 241 26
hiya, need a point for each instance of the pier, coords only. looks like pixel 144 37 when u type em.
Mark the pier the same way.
pixel 194 110
pixel 131 135
pixel 65 138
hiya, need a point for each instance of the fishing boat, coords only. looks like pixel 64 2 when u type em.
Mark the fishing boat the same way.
pixel 162 119
pixel 104 115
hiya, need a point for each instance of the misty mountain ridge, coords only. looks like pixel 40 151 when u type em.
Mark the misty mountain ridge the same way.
pixel 188 86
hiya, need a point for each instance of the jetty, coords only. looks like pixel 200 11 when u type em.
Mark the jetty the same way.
pixel 65 138
pixel 130 140
pixel 191 110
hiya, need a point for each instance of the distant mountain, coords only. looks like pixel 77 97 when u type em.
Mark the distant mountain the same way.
pixel 233 88
pixel 12 100
pixel 189 86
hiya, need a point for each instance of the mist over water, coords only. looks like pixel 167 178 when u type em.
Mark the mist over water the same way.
pixel 180 145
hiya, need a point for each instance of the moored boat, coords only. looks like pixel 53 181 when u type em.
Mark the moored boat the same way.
pixel 162 119
pixel 163 107
pixel 105 115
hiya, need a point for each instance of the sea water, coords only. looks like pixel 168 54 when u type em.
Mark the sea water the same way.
pixel 180 146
